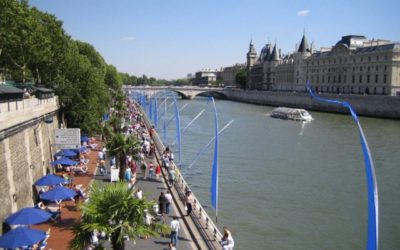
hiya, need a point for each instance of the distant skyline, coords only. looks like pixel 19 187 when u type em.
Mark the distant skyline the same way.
pixel 170 38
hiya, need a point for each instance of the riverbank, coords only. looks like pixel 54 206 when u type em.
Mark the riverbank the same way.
pixel 373 106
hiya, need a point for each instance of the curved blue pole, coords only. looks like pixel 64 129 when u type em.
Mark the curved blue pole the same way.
pixel 178 129
pixel 373 201
pixel 215 166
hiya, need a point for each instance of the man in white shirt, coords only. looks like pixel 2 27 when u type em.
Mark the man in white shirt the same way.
pixel 175 226
pixel 168 198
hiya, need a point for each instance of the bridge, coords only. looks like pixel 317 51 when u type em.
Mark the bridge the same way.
pixel 186 92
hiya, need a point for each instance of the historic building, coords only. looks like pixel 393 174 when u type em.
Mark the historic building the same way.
pixel 205 77
pixel 228 74
pixel 355 65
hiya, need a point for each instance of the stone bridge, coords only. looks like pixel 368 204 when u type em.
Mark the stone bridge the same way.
pixel 186 92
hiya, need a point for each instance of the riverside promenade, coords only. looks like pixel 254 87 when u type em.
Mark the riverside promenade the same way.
pixel 190 235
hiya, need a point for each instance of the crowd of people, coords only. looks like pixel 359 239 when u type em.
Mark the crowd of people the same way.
pixel 151 170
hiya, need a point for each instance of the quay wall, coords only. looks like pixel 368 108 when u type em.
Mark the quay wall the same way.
pixel 372 105
pixel 25 149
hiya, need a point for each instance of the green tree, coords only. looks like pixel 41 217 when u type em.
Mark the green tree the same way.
pixel 114 210
pixel 241 77
pixel 120 146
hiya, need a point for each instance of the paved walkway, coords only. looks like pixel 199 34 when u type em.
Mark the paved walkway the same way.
pixel 151 190
pixel 61 231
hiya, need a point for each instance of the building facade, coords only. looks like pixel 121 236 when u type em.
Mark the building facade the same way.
pixel 228 74
pixel 354 65
pixel 205 77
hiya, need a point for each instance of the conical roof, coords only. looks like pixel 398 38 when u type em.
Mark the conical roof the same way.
pixel 303 45
pixel 274 54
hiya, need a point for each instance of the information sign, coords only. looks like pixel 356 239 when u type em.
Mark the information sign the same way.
pixel 68 138
pixel 114 174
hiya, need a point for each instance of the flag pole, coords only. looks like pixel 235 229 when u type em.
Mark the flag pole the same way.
pixel 215 167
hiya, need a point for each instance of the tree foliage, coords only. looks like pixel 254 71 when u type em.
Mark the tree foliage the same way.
pixel 114 210
pixel 241 77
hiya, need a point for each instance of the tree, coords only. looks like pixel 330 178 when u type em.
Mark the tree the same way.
pixel 114 210
pixel 241 77
pixel 120 146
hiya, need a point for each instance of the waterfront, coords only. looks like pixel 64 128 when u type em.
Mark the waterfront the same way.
pixel 290 185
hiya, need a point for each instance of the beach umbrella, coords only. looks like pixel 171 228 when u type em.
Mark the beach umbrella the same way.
pixel 82 149
pixel 58 194
pixel 64 161
pixel 49 180
pixel 66 153
pixel 21 236
pixel 85 139
pixel 28 216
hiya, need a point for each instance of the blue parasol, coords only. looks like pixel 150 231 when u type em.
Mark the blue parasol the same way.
pixel 85 139
pixel 64 161
pixel 58 194
pixel 28 216
pixel 21 236
pixel 66 153
pixel 49 180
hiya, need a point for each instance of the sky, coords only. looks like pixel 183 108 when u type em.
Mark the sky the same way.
pixel 170 38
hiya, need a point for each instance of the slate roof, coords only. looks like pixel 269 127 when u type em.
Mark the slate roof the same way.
pixel 7 89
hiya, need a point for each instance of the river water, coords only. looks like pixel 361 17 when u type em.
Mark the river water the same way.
pixel 292 185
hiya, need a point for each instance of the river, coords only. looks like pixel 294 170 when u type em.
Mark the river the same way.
pixel 292 185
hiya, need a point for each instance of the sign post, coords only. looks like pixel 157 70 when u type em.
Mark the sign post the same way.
pixel 68 138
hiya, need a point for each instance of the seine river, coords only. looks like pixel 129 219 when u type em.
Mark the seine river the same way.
pixel 292 185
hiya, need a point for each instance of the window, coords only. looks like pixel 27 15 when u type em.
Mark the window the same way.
pixel 352 78
pixel 360 79
pixel 334 78
pixel 377 58
pixel 376 78
pixel 344 78
pixel 329 79
pixel 361 68
pixel 339 79
pixel 323 79
pixel 361 59
pixel 377 68
pixel 385 68
pixel 368 68
pixel 384 78
pixel 369 59
pixel 354 69
pixel 386 57
pixel 367 78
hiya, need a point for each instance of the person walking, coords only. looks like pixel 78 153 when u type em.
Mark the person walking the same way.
pixel 189 202
pixel 161 203
pixel 158 172
pixel 151 170
pixel 168 201
pixel 175 226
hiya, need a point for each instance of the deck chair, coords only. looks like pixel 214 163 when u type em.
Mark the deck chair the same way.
pixel 80 170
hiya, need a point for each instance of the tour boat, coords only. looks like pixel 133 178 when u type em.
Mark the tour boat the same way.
pixel 291 114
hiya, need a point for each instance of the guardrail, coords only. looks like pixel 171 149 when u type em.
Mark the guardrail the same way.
pixel 202 220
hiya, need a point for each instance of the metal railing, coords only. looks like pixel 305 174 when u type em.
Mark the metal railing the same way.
pixel 202 220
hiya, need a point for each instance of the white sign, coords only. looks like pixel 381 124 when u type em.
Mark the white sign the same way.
pixel 114 174
pixel 68 138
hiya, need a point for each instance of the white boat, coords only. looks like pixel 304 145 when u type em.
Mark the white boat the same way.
pixel 291 114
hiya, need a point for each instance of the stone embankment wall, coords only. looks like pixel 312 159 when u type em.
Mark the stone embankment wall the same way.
pixel 376 106
pixel 25 149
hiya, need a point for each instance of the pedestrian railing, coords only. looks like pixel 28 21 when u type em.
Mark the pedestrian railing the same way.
pixel 202 220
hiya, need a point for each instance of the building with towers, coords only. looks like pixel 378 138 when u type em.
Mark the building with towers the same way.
pixel 354 65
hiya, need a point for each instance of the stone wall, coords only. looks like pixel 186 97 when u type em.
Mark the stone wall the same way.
pixel 25 153
pixel 376 106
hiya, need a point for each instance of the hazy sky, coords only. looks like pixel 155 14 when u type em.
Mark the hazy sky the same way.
pixel 171 38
